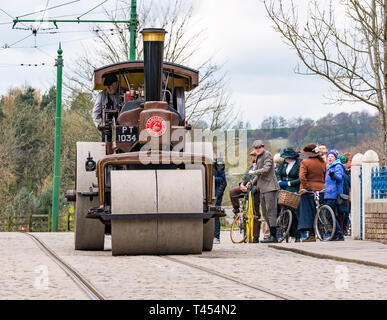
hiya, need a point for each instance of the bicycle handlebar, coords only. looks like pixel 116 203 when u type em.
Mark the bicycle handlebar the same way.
pixel 311 191
pixel 236 174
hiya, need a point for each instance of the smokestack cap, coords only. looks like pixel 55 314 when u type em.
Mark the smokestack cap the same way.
pixel 153 34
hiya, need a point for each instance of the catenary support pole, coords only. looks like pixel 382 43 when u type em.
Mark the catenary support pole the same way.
pixel 133 30
pixel 56 184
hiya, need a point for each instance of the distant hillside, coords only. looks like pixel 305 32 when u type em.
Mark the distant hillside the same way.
pixel 341 131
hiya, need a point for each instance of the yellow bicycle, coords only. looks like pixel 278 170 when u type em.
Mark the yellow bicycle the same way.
pixel 242 226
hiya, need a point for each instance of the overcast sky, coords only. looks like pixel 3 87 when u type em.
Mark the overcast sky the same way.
pixel 258 64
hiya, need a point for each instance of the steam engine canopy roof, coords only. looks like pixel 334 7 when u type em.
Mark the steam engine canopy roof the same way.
pixel 134 72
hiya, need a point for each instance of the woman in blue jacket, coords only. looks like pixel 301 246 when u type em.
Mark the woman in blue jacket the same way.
pixel 334 180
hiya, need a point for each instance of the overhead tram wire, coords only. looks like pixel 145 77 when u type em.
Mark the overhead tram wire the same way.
pixel 45 45
pixel 78 31
pixel 92 9
pixel 93 13
pixel 41 20
pixel 46 53
pixel 7 46
pixel 41 64
pixel 13 18
pixel 66 41
pixel 61 5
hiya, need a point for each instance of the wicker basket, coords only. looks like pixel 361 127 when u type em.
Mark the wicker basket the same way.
pixel 289 199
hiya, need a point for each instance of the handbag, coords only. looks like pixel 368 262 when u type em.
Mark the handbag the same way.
pixel 342 200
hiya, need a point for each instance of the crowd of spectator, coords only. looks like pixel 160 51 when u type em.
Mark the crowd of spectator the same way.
pixel 315 168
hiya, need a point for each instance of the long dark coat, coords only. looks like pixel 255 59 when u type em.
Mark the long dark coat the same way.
pixel 293 176
pixel 307 212
pixel 346 188
pixel 294 179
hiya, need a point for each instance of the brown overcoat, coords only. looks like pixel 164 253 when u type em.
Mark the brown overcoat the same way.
pixel 266 179
pixel 312 174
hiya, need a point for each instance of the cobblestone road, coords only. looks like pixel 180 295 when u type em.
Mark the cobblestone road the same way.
pixel 154 277
pixel 27 273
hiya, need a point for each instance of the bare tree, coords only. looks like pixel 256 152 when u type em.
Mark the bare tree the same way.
pixel 209 102
pixel 348 50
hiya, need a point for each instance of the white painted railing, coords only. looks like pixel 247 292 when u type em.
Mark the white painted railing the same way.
pixel 361 168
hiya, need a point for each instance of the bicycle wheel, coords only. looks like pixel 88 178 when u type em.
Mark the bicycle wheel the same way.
pixel 238 230
pixel 284 221
pixel 250 220
pixel 325 223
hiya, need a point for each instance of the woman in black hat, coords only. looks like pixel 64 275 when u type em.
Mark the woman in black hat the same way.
pixel 289 180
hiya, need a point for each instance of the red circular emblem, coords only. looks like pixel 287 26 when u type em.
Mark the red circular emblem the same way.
pixel 156 126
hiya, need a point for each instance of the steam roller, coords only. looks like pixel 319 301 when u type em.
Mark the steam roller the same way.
pixel 146 184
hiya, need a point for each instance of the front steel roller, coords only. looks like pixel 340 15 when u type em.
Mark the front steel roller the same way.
pixel 180 191
pixel 89 234
pixel 157 191
pixel 133 192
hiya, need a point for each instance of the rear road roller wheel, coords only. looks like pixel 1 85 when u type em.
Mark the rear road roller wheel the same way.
pixel 208 234
pixel 89 234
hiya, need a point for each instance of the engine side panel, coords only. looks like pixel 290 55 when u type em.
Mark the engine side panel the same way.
pixel 85 179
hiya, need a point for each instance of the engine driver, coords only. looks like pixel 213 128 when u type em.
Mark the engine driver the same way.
pixel 108 98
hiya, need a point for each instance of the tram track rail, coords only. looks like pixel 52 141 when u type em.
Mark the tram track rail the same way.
pixel 230 278
pixel 94 294
pixel 79 280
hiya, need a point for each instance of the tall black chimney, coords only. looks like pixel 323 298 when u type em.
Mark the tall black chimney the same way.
pixel 153 62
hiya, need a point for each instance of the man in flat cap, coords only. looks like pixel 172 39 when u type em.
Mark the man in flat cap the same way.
pixel 240 191
pixel 267 184
pixel 108 98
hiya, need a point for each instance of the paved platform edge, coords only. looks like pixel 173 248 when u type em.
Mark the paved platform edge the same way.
pixel 326 256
